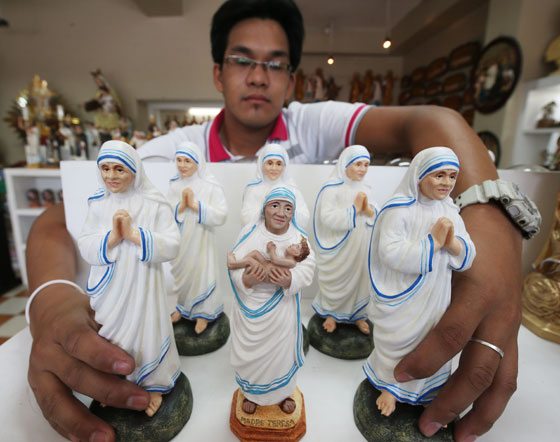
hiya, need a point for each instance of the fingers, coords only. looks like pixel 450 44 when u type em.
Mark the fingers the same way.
pixel 85 344
pixel 66 414
pixel 491 404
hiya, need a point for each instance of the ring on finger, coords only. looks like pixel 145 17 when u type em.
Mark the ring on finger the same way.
pixel 489 345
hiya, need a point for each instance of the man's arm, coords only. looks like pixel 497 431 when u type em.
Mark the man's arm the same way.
pixel 486 300
pixel 67 353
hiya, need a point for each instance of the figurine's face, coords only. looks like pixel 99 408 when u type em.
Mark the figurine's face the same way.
pixel 186 166
pixel 254 95
pixel 277 216
pixel 438 185
pixel 357 170
pixel 116 177
pixel 294 250
pixel 273 168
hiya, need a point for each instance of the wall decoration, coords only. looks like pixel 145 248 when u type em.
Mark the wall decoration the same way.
pixel 464 55
pixel 492 143
pixel 453 102
pixel 454 83
pixel 404 97
pixel 434 88
pixel 468 115
pixel 496 74
pixel 436 68
pixel 406 82
pixel 418 75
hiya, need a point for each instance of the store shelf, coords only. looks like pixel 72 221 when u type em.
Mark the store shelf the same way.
pixel 22 217
pixel 32 211
pixel 546 131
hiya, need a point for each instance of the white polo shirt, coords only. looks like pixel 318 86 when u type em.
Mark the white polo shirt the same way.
pixel 310 133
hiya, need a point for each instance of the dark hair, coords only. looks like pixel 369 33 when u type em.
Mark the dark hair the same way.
pixel 285 12
pixel 304 250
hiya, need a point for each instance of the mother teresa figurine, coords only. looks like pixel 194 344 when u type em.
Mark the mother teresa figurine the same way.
pixel 266 344
pixel 342 219
pixel 272 171
pixel 199 205
pixel 418 240
pixel 128 233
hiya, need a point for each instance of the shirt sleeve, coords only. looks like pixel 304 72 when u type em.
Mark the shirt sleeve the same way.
pixel 324 129
pixel 164 146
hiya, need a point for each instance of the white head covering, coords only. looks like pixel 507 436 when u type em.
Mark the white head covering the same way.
pixel 424 163
pixel 115 151
pixel 348 156
pixel 273 151
pixel 188 149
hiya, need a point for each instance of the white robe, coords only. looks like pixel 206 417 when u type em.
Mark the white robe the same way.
pixel 342 238
pixel 266 332
pixel 195 268
pixel 412 289
pixel 126 284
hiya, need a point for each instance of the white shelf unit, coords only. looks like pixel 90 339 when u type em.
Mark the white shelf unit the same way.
pixel 18 182
pixel 531 143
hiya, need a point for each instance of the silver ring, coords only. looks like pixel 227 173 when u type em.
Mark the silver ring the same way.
pixel 489 345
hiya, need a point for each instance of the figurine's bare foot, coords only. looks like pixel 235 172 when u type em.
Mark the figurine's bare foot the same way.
pixel 201 325
pixel 175 317
pixel 288 405
pixel 248 406
pixel 155 403
pixel 329 325
pixel 386 403
pixel 363 326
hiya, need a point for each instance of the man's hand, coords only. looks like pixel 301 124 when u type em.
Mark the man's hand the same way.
pixel 486 304
pixel 68 354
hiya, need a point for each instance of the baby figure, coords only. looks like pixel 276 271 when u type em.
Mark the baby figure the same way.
pixel 294 253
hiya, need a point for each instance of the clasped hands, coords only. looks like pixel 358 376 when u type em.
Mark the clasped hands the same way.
pixel 188 200
pixel 362 205
pixel 443 233
pixel 123 230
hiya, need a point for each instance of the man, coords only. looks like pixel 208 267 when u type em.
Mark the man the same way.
pixel 68 354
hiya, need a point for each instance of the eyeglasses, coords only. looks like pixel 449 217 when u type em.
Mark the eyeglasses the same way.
pixel 246 64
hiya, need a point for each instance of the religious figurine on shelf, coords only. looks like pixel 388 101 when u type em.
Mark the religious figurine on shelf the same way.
pixel 388 87
pixel 199 205
pixel 356 88
pixel 541 289
pixel 33 199
pixel 272 171
pixel 129 232
pixel 547 116
pixel 266 340
pixel 417 241
pixel 105 105
pixel 48 198
pixel 342 220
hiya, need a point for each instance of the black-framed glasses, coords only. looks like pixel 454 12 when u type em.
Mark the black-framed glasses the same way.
pixel 246 64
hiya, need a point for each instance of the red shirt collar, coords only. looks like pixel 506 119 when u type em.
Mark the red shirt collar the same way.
pixel 216 150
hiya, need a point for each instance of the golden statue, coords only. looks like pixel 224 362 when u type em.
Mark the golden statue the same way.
pixel 541 290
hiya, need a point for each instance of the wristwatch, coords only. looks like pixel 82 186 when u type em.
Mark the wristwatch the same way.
pixel 521 210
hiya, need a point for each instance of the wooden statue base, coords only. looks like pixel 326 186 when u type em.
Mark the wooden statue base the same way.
pixel 540 327
pixel 268 423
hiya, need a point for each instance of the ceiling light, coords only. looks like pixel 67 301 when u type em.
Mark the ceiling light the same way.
pixel 387 43
pixel 330 60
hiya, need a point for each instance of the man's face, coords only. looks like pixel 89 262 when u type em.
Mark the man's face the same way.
pixel 438 185
pixel 277 216
pixel 185 166
pixel 254 96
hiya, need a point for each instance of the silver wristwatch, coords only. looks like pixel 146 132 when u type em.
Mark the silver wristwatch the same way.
pixel 521 210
